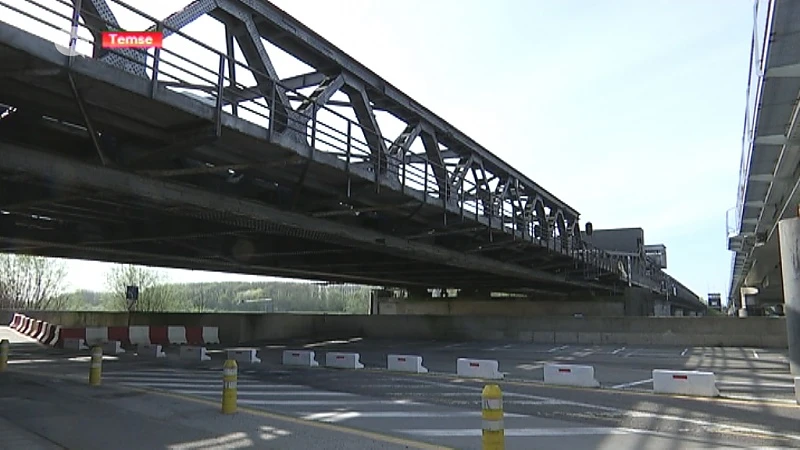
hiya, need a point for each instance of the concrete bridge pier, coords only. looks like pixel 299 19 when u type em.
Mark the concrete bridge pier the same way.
pixel 789 235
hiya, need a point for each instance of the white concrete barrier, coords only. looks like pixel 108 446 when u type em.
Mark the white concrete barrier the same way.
pixel 304 358
pixel 243 355
pixel 797 389
pixel 177 335
pixel 570 375
pixel 139 334
pixel 96 335
pixel 478 368
pixel 75 344
pixel 405 363
pixel 343 360
pixel 152 351
pixel 113 348
pixel 210 335
pixel 193 353
pixel 685 382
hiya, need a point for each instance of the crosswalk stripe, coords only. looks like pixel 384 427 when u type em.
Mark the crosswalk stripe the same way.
pixel 392 414
pixel 339 403
pixel 243 392
pixel 201 383
pixel 519 432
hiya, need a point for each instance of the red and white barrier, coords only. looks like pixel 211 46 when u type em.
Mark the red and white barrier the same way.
pixel 305 358
pixel 405 363
pixel 243 355
pixel 145 335
pixel 570 375
pixel 343 360
pixel 52 336
pixel 478 368
pixel 194 353
pixel 16 320
pixel 45 333
pixel 685 382
pixel 26 326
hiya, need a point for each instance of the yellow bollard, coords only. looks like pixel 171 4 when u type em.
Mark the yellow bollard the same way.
pixel 3 355
pixel 96 366
pixel 493 434
pixel 229 375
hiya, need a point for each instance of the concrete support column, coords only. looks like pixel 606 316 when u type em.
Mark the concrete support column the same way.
pixel 789 235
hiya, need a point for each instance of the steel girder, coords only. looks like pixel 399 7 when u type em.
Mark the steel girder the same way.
pixel 249 214
pixel 449 155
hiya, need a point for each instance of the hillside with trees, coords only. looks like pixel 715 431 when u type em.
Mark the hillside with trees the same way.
pixel 28 282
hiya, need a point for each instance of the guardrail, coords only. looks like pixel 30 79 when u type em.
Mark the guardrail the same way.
pixel 209 76
pixel 755 79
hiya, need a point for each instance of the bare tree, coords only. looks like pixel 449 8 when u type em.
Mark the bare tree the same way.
pixel 155 293
pixel 32 282
pixel 201 299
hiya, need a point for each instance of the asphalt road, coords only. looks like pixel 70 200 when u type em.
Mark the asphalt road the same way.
pixel 742 373
pixel 445 410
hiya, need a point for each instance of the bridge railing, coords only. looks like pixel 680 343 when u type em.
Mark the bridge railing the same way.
pixel 759 43
pixel 209 76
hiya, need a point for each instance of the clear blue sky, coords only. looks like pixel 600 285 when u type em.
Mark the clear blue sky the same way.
pixel 630 111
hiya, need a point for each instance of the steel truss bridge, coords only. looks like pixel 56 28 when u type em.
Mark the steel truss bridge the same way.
pixel 769 186
pixel 148 157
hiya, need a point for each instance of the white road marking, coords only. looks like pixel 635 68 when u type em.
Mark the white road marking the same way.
pixel 339 403
pixel 755 354
pixel 635 383
pixel 761 399
pixel 324 416
pixel 683 353
pixel 618 350
pixel 757 384
pixel 245 393
pixel 521 432
pixel 555 349
pixel 583 354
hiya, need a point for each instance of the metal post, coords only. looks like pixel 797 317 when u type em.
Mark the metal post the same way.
pixel 271 123
pixel 96 366
pixel 313 129
pixel 73 32
pixel 630 274
pixel 156 60
pixel 349 152
pixel 229 376
pixel 3 355
pixel 493 429
pixel 220 96
pixel 789 235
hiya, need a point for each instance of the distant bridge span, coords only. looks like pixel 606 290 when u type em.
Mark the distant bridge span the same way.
pixel 193 168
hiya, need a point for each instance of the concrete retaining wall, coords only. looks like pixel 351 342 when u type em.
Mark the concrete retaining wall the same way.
pixel 496 307
pixel 759 332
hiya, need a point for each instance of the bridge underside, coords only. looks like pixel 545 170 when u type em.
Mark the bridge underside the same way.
pixel 162 210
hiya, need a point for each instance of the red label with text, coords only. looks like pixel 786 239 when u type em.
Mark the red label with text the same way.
pixel 132 39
